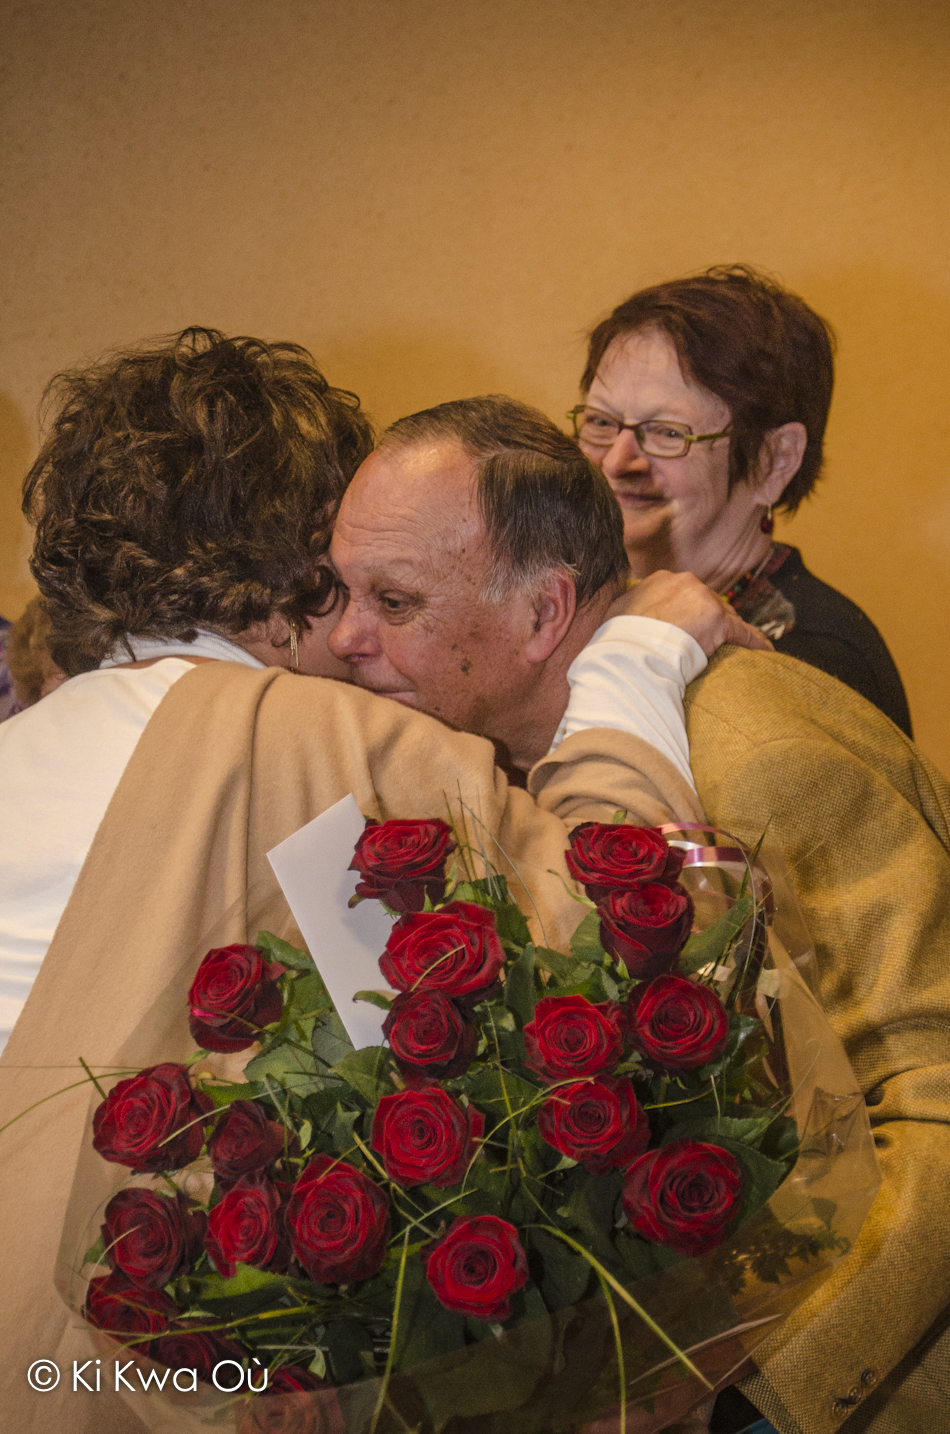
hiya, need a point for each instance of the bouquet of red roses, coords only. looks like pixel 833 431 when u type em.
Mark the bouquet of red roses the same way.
pixel 563 1183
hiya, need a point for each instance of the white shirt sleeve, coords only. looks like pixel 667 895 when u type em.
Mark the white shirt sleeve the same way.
pixel 632 676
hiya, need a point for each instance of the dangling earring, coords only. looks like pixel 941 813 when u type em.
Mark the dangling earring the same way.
pixel 294 650
pixel 767 523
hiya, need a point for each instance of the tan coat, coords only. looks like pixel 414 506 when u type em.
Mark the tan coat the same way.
pixel 863 821
pixel 232 762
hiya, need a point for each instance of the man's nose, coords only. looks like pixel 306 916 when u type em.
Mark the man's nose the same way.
pixel 624 456
pixel 353 635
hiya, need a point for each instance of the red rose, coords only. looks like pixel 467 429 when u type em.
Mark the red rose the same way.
pixel 402 862
pixel 455 950
pixel 120 1308
pixel 152 1238
pixel 234 994
pixel 338 1222
pixel 604 857
pixel 596 1122
pixel 243 1142
pixel 477 1266
pixel 190 1349
pixel 676 1024
pixel 646 927
pixel 294 1402
pixel 429 1037
pixel 426 1135
pixel 683 1195
pixel 570 1036
pixel 152 1121
pixel 245 1228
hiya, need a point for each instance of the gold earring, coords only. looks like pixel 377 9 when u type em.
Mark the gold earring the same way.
pixel 294 650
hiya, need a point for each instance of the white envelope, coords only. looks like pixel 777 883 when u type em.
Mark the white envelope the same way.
pixel 346 943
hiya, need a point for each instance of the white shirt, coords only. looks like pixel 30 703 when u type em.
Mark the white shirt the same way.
pixel 632 676
pixel 62 759
pixel 60 762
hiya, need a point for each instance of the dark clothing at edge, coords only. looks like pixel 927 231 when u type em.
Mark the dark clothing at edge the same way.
pixel 832 633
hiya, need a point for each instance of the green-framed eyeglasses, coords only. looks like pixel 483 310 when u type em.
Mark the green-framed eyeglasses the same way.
pixel 658 437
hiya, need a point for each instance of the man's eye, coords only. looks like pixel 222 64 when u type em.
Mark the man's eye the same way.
pixel 394 603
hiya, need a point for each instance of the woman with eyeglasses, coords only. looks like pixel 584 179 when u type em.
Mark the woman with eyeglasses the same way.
pixel 705 404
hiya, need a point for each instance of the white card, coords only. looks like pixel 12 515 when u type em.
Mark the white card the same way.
pixel 345 942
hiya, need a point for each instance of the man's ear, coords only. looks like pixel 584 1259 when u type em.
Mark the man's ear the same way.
pixel 554 605
pixel 779 460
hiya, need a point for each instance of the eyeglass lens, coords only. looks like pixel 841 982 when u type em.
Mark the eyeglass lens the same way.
pixel 659 439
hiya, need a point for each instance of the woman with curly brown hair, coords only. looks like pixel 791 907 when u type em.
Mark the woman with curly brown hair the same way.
pixel 183 500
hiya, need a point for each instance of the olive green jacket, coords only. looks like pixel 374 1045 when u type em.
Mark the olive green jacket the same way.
pixel 863 821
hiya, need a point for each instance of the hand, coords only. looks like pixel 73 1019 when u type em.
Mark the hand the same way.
pixel 684 601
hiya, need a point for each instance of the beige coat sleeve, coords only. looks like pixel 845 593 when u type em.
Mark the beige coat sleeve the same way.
pixel 595 773
pixel 862 820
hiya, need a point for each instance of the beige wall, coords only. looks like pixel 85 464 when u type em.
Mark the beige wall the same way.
pixel 438 196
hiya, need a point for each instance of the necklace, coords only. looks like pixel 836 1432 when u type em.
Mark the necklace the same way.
pixel 740 585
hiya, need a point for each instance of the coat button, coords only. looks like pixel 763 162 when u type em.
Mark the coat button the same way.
pixel 869 1378
pixel 843 1406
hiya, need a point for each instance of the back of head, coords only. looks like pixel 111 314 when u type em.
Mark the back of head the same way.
pixel 190 483
pixel 743 337
pixel 545 505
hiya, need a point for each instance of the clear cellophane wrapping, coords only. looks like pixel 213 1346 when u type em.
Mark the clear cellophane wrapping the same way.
pixel 561 1372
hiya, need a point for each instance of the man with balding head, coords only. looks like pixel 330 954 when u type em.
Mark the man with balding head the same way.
pixel 481 553
pixel 481 573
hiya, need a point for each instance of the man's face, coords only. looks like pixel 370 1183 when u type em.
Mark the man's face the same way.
pixel 411 548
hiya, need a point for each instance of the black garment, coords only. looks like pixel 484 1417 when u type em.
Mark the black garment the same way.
pixel 832 633
pixel 732 1412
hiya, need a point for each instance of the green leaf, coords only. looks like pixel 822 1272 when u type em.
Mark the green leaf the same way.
pixel 591 1207
pixel 528 1305
pixel 746 1130
pixel 562 968
pixel 347 1342
pixel 224 1093
pixel 247 1280
pixel 330 1041
pixel 273 949
pixel 367 1071
pixel 306 996
pixel 638 1257
pixel 586 944
pixel 489 1089
pixel 567 1275
pixel 597 986
pixel 286 1066
pixel 489 891
pixel 341 1131
pixel 512 926
pixel 425 1328
pixel 519 986
pixel 763 1177
pixel 539 1158
pixel 96 1254
pixel 374 998
pixel 705 947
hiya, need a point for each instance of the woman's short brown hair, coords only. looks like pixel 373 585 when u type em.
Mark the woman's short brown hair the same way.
pixel 191 483
pixel 760 349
